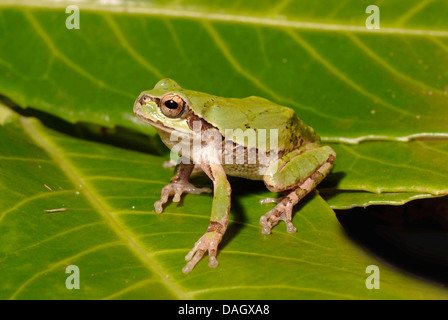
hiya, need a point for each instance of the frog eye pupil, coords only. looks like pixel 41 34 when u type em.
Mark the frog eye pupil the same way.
pixel 171 104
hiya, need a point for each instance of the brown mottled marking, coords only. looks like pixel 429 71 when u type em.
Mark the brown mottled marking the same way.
pixel 316 175
pixel 215 226
pixel 191 119
pixel 204 124
pixel 183 172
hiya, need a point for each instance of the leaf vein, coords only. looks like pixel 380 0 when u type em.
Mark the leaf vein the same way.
pixel 39 137
pixel 57 53
pixel 341 76
pixel 116 30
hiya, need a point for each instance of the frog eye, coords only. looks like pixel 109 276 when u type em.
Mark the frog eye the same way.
pixel 172 105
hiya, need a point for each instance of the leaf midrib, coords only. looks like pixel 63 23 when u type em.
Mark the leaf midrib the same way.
pixel 30 126
pixel 144 9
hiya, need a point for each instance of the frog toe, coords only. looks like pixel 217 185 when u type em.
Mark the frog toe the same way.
pixel 290 227
pixel 208 242
pixel 283 211
pixel 175 189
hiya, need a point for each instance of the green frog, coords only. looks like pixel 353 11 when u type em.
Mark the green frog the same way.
pixel 252 138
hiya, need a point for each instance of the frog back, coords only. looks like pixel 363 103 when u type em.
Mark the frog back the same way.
pixel 238 119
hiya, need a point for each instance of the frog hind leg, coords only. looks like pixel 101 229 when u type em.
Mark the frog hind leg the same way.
pixel 297 173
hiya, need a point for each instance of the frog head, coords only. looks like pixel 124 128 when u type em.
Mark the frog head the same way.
pixel 168 106
pixel 164 107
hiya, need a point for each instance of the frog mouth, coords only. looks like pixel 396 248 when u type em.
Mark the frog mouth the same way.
pixel 152 121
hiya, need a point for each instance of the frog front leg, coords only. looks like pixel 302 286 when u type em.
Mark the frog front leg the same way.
pixel 178 185
pixel 218 220
pixel 298 172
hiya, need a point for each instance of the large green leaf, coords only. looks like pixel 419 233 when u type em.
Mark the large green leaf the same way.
pixel 351 199
pixel 350 83
pixel 391 173
pixel 124 250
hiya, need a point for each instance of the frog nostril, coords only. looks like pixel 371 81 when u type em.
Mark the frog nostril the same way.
pixel 144 99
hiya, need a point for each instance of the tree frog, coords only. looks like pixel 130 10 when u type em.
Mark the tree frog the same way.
pixel 296 165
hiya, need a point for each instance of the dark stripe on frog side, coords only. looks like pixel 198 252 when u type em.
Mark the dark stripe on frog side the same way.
pixel 192 117
pixel 244 170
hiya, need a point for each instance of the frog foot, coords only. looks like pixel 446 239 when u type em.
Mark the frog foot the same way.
pixel 282 211
pixel 175 189
pixel 208 242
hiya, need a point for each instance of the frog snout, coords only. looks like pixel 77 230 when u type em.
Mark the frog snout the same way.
pixel 142 99
pixel 137 105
